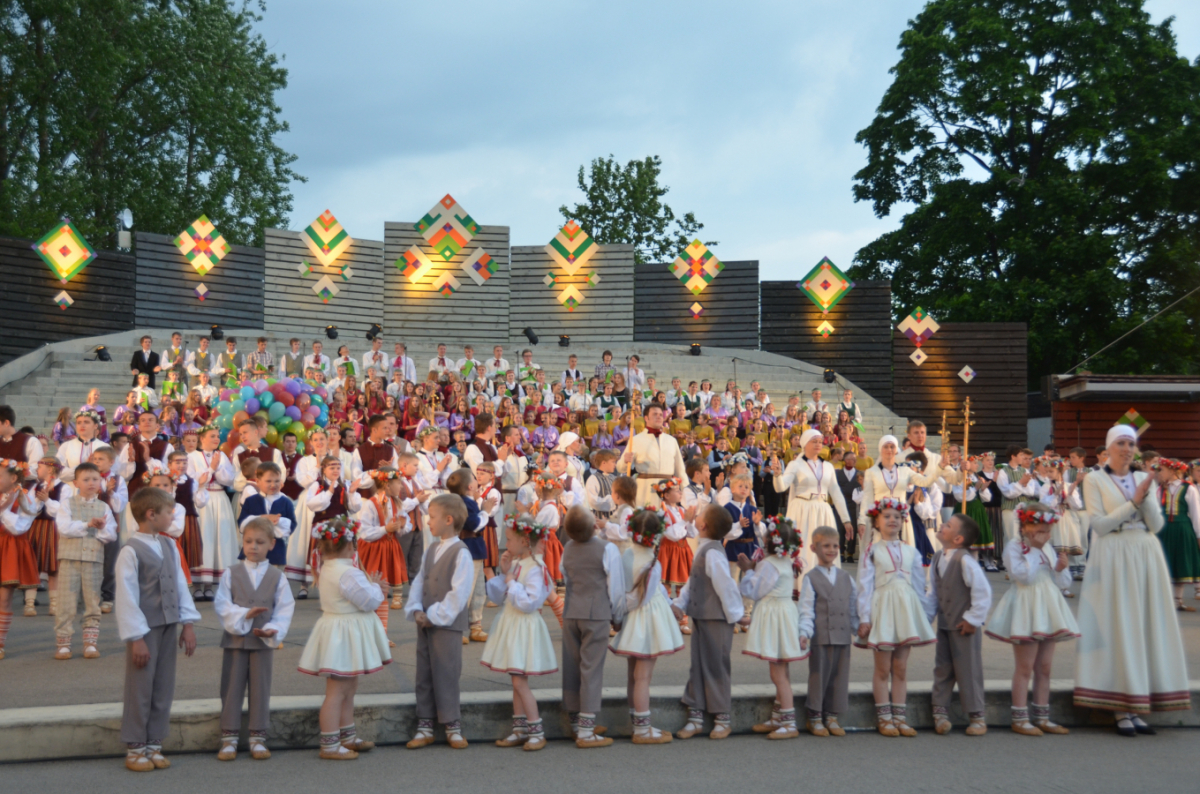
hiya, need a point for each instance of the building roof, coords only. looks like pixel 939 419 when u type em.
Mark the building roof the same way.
pixel 1153 388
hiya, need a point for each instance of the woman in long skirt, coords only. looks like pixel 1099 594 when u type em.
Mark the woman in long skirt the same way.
pixel 811 485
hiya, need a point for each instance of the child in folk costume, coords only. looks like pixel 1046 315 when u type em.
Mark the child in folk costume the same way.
pixel 18 567
pixel 973 500
pixel 151 604
pixel 519 643
pixel 299 547
pixel 599 483
pixel 674 553
pixel 616 526
pixel 890 479
pixel 463 484
pixel 811 484
pixel 213 472
pixel 84 524
pixel 437 603
pixel 383 519
pixel 269 503
pixel 744 538
pixel 115 494
pixel 711 600
pixel 894 611
pixel 1033 616
pixel 925 506
pixel 347 641
pixel 774 633
pixel 548 511
pixel 412 543
pixel 43 534
pixel 255 607
pixel 963 596
pixel 649 629
pixel 191 497
pixel 248 476
pixel 489 486
pixel 166 483
pixel 828 622
pixel 1074 511
pixel 330 497
pixel 1180 536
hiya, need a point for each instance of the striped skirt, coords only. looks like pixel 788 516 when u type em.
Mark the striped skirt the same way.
pixel 43 536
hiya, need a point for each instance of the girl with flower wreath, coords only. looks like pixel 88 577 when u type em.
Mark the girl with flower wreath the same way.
pixel 347 641
pixel 519 643
pixel 895 612
pixel 675 553
pixel 328 498
pixel 212 471
pixel 383 521
pixel 18 567
pixel 1180 535
pixel 649 629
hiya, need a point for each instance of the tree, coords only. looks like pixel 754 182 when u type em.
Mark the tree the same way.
pixel 624 205
pixel 1051 152
pixel 164 107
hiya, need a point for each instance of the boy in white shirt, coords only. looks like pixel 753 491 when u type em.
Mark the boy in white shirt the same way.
pixel 85 523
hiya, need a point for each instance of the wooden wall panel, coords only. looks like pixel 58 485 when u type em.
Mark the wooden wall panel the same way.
pixel 166 283
pixel 475 314
pixel 606 314
pixel 661 310
pixel 997 353
pixel 104 295
pixel 291 306
pixel 860 348
pixel 1174 427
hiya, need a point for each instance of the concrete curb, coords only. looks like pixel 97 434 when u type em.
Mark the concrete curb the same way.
pixel 92 731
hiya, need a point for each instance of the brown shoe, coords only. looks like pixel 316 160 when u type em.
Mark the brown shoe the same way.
pixel 359 745
pixel 63 653
pixel 1179 605
pixel 977 728
pixel 941 725
pixel 478 634
pixel 137 762
pixel 457 741
pixel 91 652
pixel 593 741
pixel 886 727
pixel 654 737
pixel 466 640
pixel 720 732
pixel 30 611
pixel 105 607
pixel 687 731
pixel 1025 728
pixel 905 729
pixel 1046 726
pixel 158 759
pixel 513 740
pixel 397 602
pixel 765 727
pixel 228 752
pixel 338 753
pixel 259 751
pixel 535 743
pixel 834 728
pixel 817 729
pixel 419 741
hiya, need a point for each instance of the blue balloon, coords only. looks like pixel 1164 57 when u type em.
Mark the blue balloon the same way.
pixel 224 434
pixel 238 405
pixel 275 412
pixel 247 392
pixel 266 399
pixel 225 422
pixel 225 407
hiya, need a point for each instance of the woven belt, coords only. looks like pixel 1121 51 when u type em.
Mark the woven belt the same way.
pixel 510 490
pixel 655 476
pixel 813 497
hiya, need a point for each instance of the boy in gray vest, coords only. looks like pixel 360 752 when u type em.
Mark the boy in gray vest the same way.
pixel 255 606
pixel 595 602
pixel 963 597
pixel 152 600
pixel 711 599
pixel 828 622
pixel 437 603
pixel 85 524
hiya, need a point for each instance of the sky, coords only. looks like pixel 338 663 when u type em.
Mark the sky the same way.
pixel 753 108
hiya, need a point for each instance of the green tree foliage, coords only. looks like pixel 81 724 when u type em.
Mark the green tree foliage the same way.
pixel 624 205
pixel 1049 152
pixel 163 106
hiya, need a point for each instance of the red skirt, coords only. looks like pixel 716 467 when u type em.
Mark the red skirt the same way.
pixel 43 536
pixel 676 559
pixel 18 567
pixel 190 547
pixel 552 552
pixel 183 558
pixel 492 560
pixel 383 556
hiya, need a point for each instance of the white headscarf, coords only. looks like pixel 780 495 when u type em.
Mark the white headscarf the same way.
pixel 887 439
pixel 566 440
pixel 1120 431
pixel 807 436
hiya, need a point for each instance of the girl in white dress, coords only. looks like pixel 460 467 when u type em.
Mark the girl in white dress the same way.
pixel 348 640
pixel 890 479
pixel 213 471
pixel 519 643
pixel 812 485
pixel 299 544
pixel 1033 616
pixel 774 634
pixel 896 614
pixel 650 629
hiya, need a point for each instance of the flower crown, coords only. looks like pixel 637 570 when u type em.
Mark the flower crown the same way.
pixel 207 428
pixel 775 539
pixel 888 503
pixel 534 531
pixel 1171 464
pixel 13 465
pixel 1036 514
pixel 153 467
pixel 1046 460
pixel 650 535
pixel 336 529
pixel 662 486
pixel 382 476
pixel 89 413
pixel 545 480
pixel 428 430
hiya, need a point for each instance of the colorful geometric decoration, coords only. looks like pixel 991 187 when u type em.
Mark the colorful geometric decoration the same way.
pixel 325 289
pixel 414 265
pixel 202 245
pixel 967 374
pixel 480 266
pixel 696 267
pixel 63 300
pixel 201 292
pixel 593 279
pixel 571 248
pixel 550 280
pixel 447 227
pixel 446 284
pixel 326 238
pixel 825 285
pixel 346 274
pixel 918 326
pixel 305 268
pixel 919 356
pixel 825 329
pixel 1135 420
pixel 64 251
pixel 696 309
pixel 570 297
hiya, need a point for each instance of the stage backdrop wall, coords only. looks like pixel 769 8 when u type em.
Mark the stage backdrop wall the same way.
pixel 996 352
pixel 476 314
pixel 292 306
pixel 860 347
pixel 1174 427
pixel 166 284
pixel 661 307
pixel 103 293
pixel 604 316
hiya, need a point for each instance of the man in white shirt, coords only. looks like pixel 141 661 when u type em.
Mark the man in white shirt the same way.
pixel 527 371
pixel 78 450
pixel 572 371
pixel 318 361
pixel 573 489
pixel 635 379
pixel 206 390
pixel 440 363
pixel 375 357
pixel 815 406
pixel 579 401
pixel 496 366
pixel 655 457
pixel 675 393
pixel 200 361
pixel 291 363
pixel 508 387
pixel 403 364
pixel 468 366
pixel 175 357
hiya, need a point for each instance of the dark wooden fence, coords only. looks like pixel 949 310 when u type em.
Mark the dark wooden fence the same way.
pixel 1174 427
pixel 166 284
pixel 661 307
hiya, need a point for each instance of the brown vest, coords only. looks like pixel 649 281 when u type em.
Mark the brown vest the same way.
pixel 437 580
pixel 159 598
pixel 186 497
pixel 703 601
pixel 337 505
pixel 372 455
pixel 14 449
pixel 157 447
pixel 243 593
pixel 202 362
pixel 291 489
pixel 831 623
pixel 587 582
pixel 86 549
pixel 487 450
pixel 954 597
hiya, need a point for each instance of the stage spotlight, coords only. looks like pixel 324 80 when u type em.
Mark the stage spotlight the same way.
pixel 216 333
pixel 530 335
pixel 695 349
pixel 102 353
pixel 564 341
pixel 331 331
pixel 375 330
pixel 830 376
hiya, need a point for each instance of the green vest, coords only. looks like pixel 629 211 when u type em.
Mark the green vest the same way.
pixel 1013 476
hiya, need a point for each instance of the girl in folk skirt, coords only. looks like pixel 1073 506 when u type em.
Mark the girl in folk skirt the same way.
pixel 308 471
pixel 1181 536
pixel 330 497
pixel 675 554
pixel 896 614
pixel 383 519
pixel 192 497
pixel 18 569
pixel 548 511
pixel 213 472
pixel 43 534
pixel 519 643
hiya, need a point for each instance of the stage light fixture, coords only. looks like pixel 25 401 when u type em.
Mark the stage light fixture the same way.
pixel 216 333
pixel 331 331
pixel 102 353
pixel 564 341
pixel 830 376
pixel 695 349
pixel 375 330
pixel 530 335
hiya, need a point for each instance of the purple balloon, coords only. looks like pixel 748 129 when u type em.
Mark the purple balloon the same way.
pixel 260 386
pixel 252 406
pixel 294 389
pixel 321 391
pixel 313 411
pixel 293 412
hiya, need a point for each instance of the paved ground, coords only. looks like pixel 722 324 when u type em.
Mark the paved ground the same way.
pixel 1090 761
pixel 45 682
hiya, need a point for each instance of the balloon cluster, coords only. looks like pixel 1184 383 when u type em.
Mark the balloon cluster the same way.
pixel 289 405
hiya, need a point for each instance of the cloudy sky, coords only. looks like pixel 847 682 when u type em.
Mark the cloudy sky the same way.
pixel 753 107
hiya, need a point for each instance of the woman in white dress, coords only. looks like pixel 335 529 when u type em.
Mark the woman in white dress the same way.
pixel 308 470
pixel 887 479
pixel 811 484
pixel 213 471
pixel 519 643
pixel 650 629
pixel 1130 659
